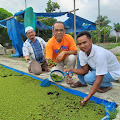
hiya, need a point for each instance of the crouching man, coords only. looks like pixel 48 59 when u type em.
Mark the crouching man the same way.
pixel 96 66
pixel 33 52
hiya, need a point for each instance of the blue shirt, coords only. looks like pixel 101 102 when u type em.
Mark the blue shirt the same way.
pixel 28 49
pixel 37 51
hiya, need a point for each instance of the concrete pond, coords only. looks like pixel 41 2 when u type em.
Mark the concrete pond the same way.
pixel 112 95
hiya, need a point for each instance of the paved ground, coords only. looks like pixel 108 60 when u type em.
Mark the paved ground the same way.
pixel 112 95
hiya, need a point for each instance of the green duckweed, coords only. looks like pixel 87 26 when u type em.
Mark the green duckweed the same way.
pixel 22 98
pixel 56 77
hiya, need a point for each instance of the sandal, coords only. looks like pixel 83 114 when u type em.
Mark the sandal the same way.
pixel 29 70
pixel 70 82
pixel 77 84
pixel 104 89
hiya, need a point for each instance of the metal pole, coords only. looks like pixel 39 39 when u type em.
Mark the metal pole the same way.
pixel 98 21
pixel 25 4
pixel 74 23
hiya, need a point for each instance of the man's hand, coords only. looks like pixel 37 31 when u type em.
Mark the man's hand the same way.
pixel 68 69
pixel 85 100
pixel 51 63
pixel 94 88
pixel 60 56
pixel 27 58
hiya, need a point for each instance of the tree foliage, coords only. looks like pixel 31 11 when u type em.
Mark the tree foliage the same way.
pixel 48 21
pixel 4 38
pixel 94 35
pixel 19 18
pixel 117 26
pixel 104 30
pixel 45 34
pixel 4 14
pixel 104 21
pixel 3 31
pixel 52 6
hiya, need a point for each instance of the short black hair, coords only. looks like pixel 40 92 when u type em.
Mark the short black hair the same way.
pixel 84 33
pixel 58 22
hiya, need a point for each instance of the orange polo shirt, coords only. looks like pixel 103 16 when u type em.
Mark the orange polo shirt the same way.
pixel 53 48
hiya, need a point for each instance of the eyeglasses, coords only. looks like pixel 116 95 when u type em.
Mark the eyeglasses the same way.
pixel 59 30
pixel 30 32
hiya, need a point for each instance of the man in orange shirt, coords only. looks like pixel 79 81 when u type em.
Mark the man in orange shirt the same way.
pixel 61 48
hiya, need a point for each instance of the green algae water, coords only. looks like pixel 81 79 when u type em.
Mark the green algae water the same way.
pixel 22 98
pixel 56 77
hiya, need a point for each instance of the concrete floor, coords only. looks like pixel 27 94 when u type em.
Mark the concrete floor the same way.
pixel 112 95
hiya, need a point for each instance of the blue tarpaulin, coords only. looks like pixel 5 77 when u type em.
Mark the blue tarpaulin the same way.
pixel 81 24
pixel 109 106
pixel 21 13
pixel 51 14
pixel 15 29
pixel 42 26
pixel 3 23
pixel 15 35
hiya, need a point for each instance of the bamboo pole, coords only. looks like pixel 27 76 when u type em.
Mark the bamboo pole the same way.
pixel 98 21
pixel 44 18
pixel 9 18
pixel 74 23
pixel 73 10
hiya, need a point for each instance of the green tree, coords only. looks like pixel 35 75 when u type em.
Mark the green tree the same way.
pixel 4 14
pixel 19 18
pixel 45 34
pixel 4 38
pixel 48 22
pixel 104 29
pixel 117 29
pixel 104 21
pixel 94 35
pixel 105 32
pixel 52 6
pixel 117 26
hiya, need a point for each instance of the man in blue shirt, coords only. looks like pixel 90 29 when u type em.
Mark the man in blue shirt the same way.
pixel 33 52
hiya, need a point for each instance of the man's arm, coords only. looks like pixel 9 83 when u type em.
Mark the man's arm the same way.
pixel 94 88
pixel 74 52
pixel 81 71
pixel 26 51
pixel 61 55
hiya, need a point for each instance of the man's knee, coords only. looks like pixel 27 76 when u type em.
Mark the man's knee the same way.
pixel 89 79
pixel 36 68
pixel 37 72
pixel 71 61
pixel 71 57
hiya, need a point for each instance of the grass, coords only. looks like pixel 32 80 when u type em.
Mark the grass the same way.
pixel 17 58
pixel 109 45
